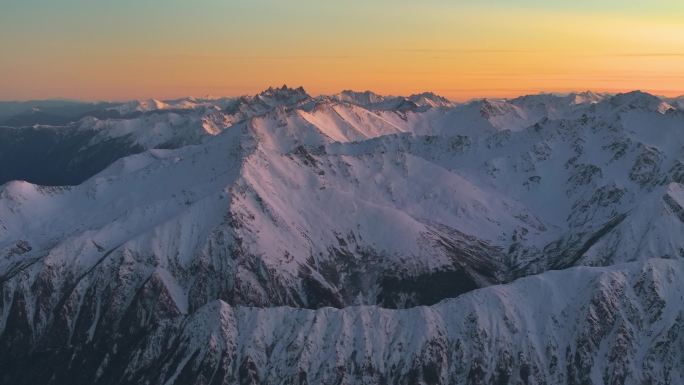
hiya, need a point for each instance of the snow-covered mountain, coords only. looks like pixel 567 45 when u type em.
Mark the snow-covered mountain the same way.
pixel 373 101
pixel 353 238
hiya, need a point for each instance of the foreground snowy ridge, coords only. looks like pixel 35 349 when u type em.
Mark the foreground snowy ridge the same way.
pixel 414 216
pixel 582 325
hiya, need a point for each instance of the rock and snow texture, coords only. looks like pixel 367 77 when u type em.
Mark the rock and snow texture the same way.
pixel 581 325
pixel 352 239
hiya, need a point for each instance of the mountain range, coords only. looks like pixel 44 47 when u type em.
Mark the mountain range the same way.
pixel 353 238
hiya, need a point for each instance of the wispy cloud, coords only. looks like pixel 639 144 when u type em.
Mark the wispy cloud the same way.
pixel 459 51
pixel 650 54
pixel 545 51
pixel 252 57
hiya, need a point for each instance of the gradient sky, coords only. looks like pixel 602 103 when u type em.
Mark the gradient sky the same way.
pixel 113 50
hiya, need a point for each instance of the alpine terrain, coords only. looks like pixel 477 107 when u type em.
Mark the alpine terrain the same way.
pixel 345 239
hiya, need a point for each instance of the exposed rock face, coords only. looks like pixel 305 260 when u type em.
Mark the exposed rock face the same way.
pixel 353 239
pixel 582 325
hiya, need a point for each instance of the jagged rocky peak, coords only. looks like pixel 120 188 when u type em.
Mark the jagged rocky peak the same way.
pixel 272 98
pixel 283 95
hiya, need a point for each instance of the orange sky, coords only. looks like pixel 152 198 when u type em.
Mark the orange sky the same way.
pixel 93 50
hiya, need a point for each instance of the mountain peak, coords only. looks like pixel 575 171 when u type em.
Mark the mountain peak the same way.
pixel 494 107
pixel 586 97
pixel 430 99
pixel 372 100
pixel 362 98
pixel 640 100
pixel 285 93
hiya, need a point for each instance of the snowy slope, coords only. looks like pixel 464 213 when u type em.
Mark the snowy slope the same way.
pixel 229 208
pixel 583 325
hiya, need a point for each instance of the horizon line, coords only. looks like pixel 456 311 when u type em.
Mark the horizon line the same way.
pixel 611 92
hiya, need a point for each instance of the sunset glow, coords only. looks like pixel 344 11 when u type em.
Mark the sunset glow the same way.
pixel 138 49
